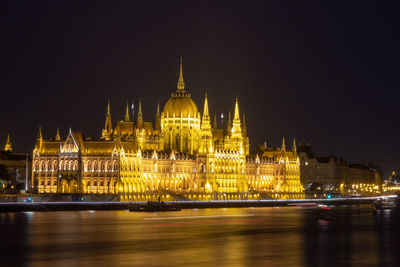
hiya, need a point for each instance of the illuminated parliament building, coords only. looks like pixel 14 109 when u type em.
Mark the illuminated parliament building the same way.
pixel 182 156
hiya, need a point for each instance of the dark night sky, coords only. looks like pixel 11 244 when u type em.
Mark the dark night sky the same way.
pixel 324 73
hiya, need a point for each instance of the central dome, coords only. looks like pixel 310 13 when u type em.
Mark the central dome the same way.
pixel 180 102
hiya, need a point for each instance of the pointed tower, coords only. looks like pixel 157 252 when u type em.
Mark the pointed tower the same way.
pixel 205 121
pixel 294 148
pixel 140 115
pixel 8 146
pixel 236 127
pixel 244 131
pixel 215 125
pixel 58 137
pixel 158 118
pixel 206 134
pixel 127 117
pixel 283 148
pixel 108 125
pixel 181 82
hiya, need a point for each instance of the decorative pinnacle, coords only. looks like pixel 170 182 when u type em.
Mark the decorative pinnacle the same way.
pixel 181 82
pixel 140 114
pixel 294 149
pixel 58 137
pixel 127 118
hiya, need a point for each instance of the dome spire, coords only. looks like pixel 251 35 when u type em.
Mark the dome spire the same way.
pixel 181 82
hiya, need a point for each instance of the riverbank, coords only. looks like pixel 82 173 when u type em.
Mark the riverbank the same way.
pixel 78 206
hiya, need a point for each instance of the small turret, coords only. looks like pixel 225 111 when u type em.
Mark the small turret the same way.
pixel 283 145
pixel 8 146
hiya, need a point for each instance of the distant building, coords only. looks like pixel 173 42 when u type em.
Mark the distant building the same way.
pixel 332 171
pixel 366 173
pixel 14 164
pixel 394 178
pixel 327 171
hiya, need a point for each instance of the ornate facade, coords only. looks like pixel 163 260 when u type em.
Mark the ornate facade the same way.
pixel 180 156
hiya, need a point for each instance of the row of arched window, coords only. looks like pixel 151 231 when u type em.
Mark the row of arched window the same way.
pixel 100 165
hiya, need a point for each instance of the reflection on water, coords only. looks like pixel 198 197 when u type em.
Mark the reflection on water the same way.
pixel 239 237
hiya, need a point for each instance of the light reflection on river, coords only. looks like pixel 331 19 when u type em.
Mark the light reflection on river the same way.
pixel 225 237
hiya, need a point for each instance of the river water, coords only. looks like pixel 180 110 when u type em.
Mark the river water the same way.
pixel 288 236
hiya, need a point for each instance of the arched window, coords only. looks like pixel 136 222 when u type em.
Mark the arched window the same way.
pixel 76 165
pixel 89 165
pixel 55 165
pixel 101 165
pixel 108 165
pixel 95 165
pixel 43 165
pixel 115 166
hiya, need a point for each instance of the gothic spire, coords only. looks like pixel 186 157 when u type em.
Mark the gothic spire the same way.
pixel 127 117
pixel 205 111
pixel 181 82
pixel 8 146
pixel 283 144
pixel 140 115
pixel 205 121
pixel 236 117
pixel 108 124
pixel 294 148
pixel 58 137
